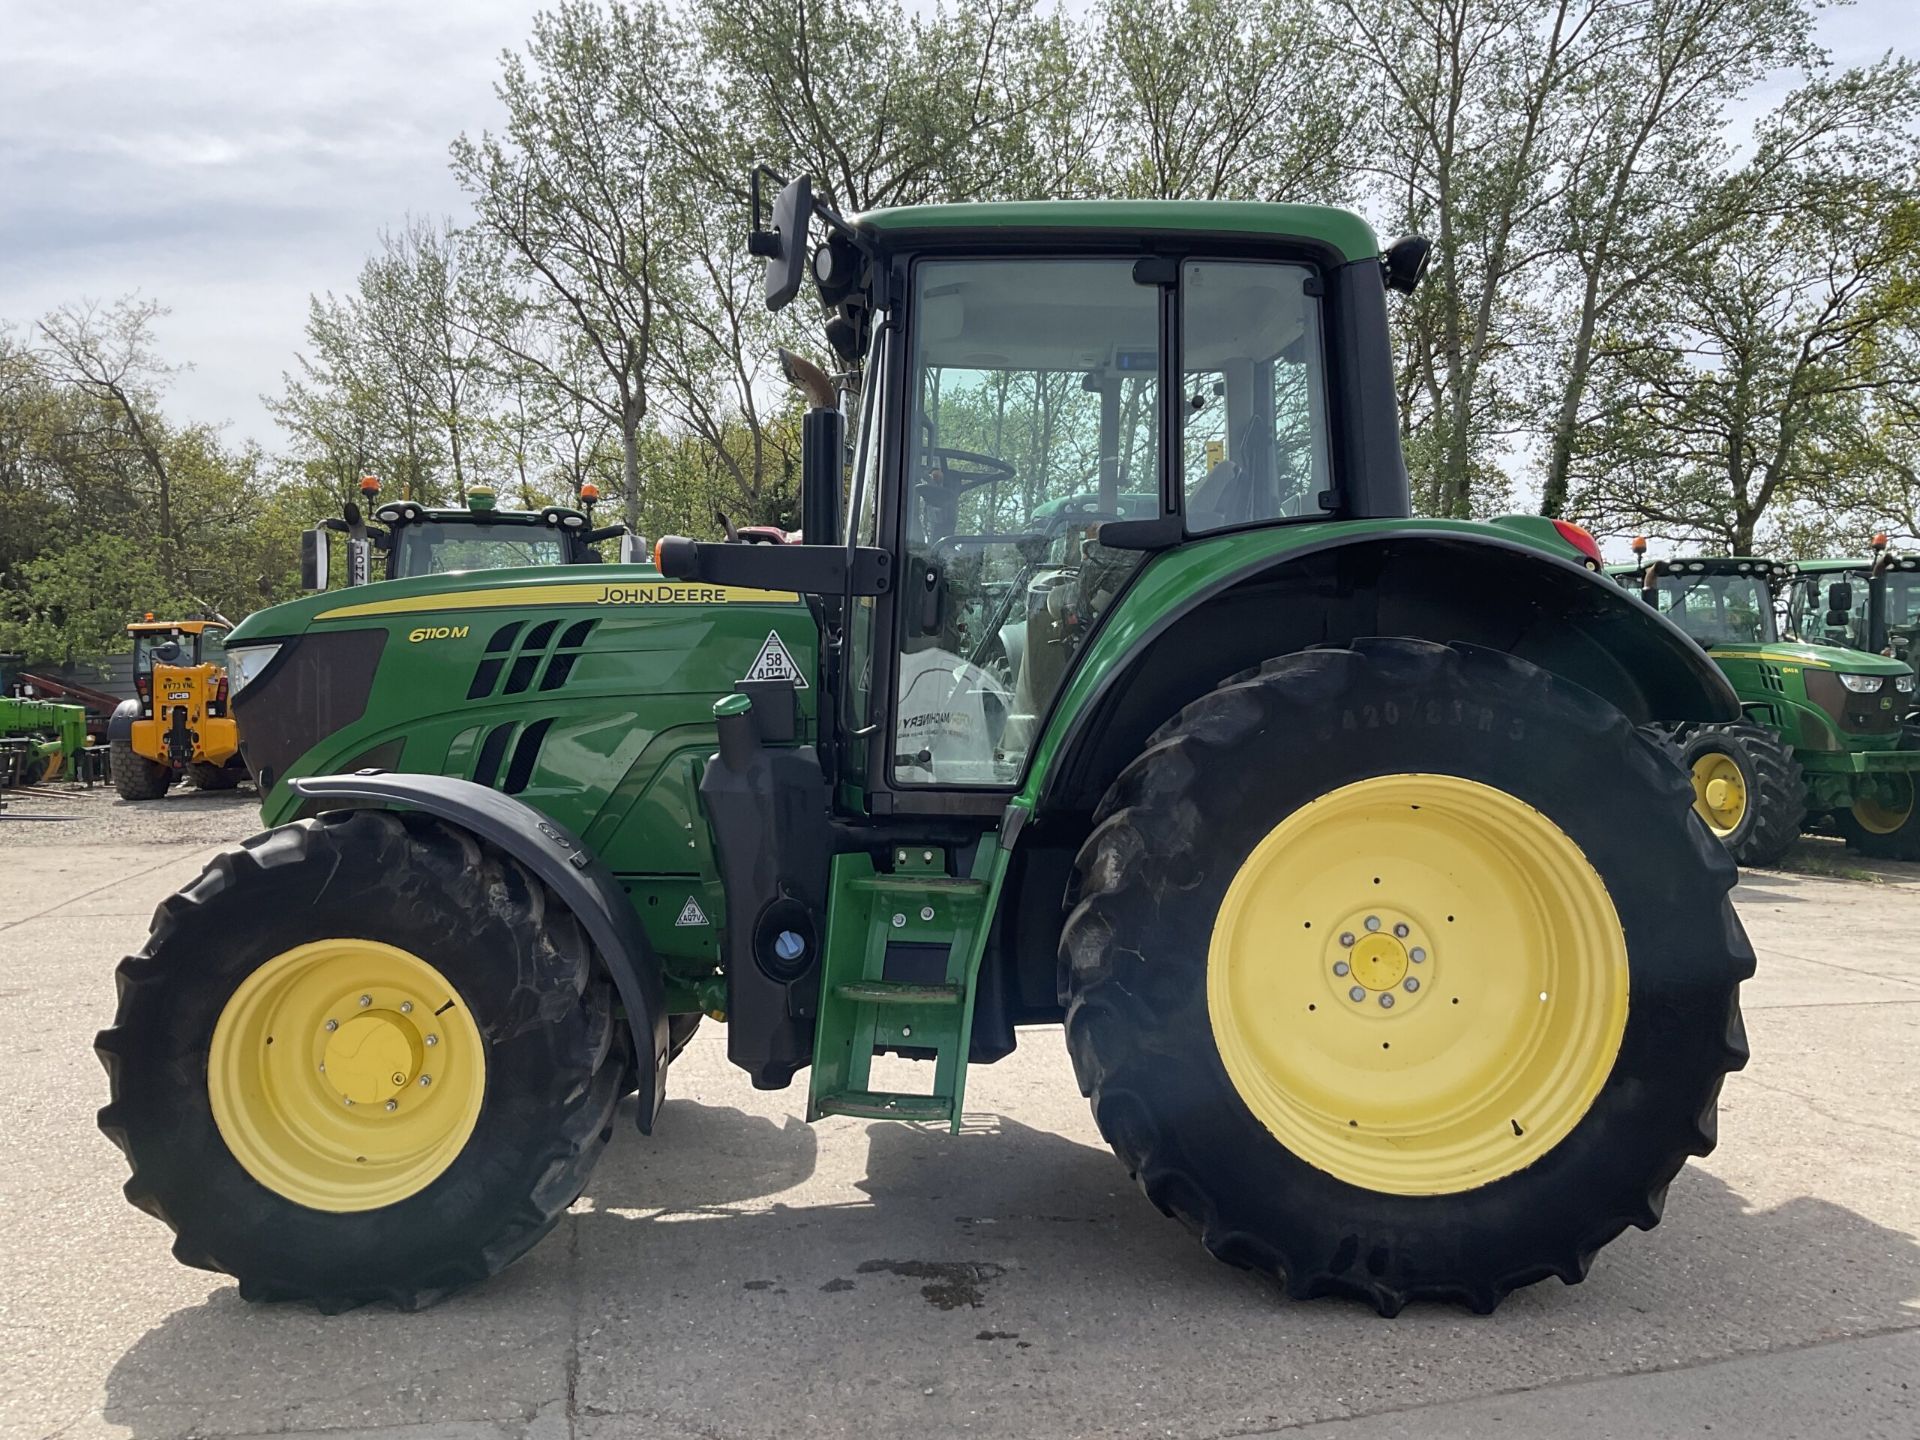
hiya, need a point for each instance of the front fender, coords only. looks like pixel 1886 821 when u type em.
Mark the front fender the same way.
pixel 582 882
pixel 1204 611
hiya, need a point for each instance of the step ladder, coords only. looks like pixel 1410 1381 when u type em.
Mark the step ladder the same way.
pixel 902 956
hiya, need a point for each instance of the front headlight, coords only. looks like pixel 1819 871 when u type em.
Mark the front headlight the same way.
pixel 1904 683
pixel 245 663
pixel 1862 684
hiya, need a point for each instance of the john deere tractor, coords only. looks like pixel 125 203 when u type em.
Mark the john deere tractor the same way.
pixel 416 539
pixel 1871 604
pixel 1821 734
pixel 178 725
pixel 1121 690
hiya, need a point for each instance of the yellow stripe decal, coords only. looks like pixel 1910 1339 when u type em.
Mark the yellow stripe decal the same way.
pixel 598 592
pixel 1773 656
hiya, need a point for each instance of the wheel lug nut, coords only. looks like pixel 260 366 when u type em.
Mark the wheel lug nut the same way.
pixel 1340 967
pixel 426 1079
pixel 406 1007
pixel 1373 922
pixel 1402 931
pixel 348 1099
pixel 1417 955
pixel 433 1040
pixel 1346 939
pixel 365 1000
pixel 1357 994
pixel 393 1105
pixel 1410 985
pixel 1386 1002
pixel 333 1024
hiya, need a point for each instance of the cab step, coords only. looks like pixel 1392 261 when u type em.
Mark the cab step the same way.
pixel 902 949
pixel 884 1105
pixel 896 992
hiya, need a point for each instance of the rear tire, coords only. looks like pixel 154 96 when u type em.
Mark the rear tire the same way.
pixel 534 1016
pixel 1278 747
pixel 213 777
pixel 1880 832
pixel 1763 804
pixel 135 776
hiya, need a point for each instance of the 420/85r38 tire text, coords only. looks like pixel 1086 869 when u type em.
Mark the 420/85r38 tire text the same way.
pixel 1403 971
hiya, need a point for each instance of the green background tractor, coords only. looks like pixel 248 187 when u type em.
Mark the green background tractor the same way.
pixel 1821 733
pixel 412 538
pixel 1863 604
pixel 1114 685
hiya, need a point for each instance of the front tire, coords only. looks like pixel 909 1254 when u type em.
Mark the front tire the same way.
pixel 1469 823
pixel 1748 789
pixel 362 1057
pixel 134 776
pixel 1884 831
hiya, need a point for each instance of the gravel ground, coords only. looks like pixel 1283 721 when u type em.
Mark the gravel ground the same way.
pixel 59 814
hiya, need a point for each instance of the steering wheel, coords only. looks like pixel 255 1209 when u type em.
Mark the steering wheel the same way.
pixel 966 469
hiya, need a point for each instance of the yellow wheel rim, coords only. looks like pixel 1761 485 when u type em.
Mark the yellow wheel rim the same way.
pixel 346 1074
pixel 1418 984
pixel 1885 819
pixel 1719 793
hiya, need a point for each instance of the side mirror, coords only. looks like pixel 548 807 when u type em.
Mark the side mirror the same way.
pixel 785 246
pixel 633 549
pixel 1405 262
pixel 316 559
pixel 1840 597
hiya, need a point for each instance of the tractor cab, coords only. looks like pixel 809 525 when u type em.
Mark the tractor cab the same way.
pixel 1870 604
pixel 175 656
pixel 1720 602
pixel 413 539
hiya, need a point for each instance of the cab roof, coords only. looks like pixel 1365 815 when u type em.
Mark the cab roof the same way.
pixel 168 627
pixel 1340 230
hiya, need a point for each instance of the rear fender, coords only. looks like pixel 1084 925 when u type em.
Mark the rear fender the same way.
pixel 580 879
pixel 120 725
pixel 1164 646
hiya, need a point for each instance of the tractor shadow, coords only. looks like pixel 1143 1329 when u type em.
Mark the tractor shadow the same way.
pixel 741 1243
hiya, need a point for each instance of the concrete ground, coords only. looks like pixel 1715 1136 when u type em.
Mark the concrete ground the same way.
pixel 743 1275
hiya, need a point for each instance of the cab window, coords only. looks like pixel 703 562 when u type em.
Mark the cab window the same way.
pixel 1719 609
pixel 1035 388
pixel 1254 395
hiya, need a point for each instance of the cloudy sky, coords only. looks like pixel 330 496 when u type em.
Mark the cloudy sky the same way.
pixel 229 158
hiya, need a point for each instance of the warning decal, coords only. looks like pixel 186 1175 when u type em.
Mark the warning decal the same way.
pixel 774 662
pixel 691 914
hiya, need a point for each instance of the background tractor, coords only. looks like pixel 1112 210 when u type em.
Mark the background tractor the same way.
pixel 1821 732
pixel 178 725
pixel 1112 684
pixel 1868 604
pixel 412 539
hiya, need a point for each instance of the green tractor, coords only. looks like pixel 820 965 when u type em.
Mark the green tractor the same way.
pixel 1111 684
pixel 1821 735
pixel 416 539
pixel 1871 604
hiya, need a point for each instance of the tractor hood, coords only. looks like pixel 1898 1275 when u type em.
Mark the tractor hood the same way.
pixel 1810 657
pixel 552 677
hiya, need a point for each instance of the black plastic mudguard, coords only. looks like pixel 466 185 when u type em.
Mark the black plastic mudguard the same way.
pixel 120 725
pixel 581 881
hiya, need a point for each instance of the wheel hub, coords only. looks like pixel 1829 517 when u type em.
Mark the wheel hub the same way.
pixel 374 1056
pixel 1380 958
